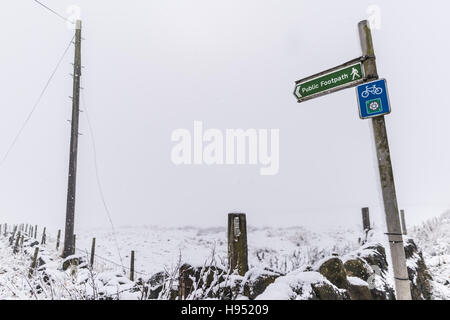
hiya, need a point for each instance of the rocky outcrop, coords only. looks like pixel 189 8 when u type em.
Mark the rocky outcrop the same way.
pixel 303 285
pixel 333 269
pixel 418 273
pixel 256 282
pixel 359 289
pixel 361 275
pixel 325 291
pixel 370 265
pixel 357 268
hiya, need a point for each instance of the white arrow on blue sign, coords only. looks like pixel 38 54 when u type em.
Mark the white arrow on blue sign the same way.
pixel 373 99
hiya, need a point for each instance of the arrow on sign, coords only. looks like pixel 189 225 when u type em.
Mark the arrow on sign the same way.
pixel 297 91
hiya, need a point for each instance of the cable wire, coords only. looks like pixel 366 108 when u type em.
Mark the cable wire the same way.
pixel 16 138
pixel 99 185
pixel 53 11
pixel 85 251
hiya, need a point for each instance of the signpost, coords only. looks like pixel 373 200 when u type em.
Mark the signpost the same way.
pixel 394 230
pixel 345 76
pixel 373 102
pixel 373 99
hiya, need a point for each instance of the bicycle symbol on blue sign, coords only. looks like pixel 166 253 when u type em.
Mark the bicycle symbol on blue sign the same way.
pixel 373 89
pixel 373 99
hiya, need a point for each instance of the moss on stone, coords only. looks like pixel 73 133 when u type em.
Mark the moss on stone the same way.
pixel 333 269
pixel 356 268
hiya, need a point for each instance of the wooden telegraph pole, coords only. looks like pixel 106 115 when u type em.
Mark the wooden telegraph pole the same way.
pixel 71 190
pixel 386 176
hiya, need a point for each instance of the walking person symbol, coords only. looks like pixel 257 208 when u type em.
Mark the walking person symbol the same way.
pixel 355 74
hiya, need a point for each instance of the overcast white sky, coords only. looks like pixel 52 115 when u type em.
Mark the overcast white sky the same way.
pixel 155 66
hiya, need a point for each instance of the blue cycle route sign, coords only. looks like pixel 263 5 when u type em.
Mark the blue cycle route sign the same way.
pixel 373 99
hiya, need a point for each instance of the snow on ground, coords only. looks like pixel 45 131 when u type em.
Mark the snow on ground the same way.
pixel 284 288
pixel 19 282
pixel 12 270
pixel 433 237
pixel 287 250
pixel 159 248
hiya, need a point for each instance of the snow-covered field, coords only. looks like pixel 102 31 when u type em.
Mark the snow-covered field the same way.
pixel 280 249
pixel 162 249
pixel 159 248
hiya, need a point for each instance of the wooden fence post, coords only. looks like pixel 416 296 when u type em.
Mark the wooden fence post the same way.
pixel 237 243
pixel 16 245
pixel 58 237
pixel 13 236
pixel 132 266
pixel 34 262
pixel 402 216
pixel 74 243
pixel 92 252
pixel 43 236
pixel 21 242
pixel 6 229
pixel 185 282
pixel 365 219
pixel 35 232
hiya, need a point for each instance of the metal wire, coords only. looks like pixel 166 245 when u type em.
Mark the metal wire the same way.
pixel 112 262
pixel 54 12
pixel 99 185
pixel 16 138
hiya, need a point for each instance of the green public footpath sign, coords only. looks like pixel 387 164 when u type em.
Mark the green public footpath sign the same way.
pixel 327 82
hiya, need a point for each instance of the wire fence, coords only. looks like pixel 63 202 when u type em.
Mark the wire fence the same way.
pixel 101 264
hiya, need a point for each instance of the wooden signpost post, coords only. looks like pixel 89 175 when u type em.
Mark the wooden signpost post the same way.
pixel 373 103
